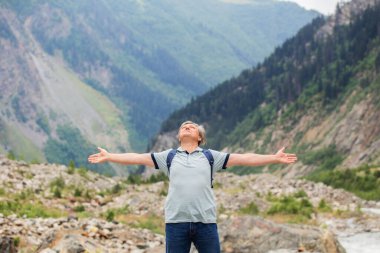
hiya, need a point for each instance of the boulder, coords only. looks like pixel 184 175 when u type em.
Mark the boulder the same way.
pixel 7 245
pixel 255 235
pixel 69 242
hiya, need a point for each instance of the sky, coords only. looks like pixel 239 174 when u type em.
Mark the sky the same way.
pixel 325 7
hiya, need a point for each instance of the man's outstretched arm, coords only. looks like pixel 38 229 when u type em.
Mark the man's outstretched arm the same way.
pixel 125 158
pixel 251 159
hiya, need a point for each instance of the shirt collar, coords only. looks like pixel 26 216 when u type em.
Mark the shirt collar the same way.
pixel 198 149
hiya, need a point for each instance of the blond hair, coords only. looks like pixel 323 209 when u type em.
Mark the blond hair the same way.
pixel 201 130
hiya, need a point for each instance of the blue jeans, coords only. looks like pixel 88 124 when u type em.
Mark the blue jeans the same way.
pixel 179 237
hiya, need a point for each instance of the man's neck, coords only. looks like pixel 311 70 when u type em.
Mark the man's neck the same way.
pixel 189 146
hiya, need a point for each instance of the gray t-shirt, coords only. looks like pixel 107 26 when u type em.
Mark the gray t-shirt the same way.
pixel 190 196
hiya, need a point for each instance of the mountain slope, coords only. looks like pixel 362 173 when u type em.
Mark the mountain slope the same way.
pixel 40 94
pixel 150 57
pixel 317 94
pixel 78 74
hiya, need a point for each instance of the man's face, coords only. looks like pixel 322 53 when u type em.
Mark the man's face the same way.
pixel 189 130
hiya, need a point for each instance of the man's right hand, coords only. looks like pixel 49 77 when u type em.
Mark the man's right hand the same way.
pixel 100 157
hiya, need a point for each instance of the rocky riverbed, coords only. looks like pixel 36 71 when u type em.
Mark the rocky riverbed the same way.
pixel 102 214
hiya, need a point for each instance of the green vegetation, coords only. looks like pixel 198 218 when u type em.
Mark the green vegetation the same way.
pixel 83 172
pixel 113 191
pixel 300 194
pixel 30 209
pixel 296 207
pixel 79 209
pixel 26 203
pixel 151 222
pixel 326 158
pixel 78 192
pixel 21 147
pixel 59 182
pixel 116 189
pixel 72 146
pixel 57 193
pixel 164 189
pixel 57 186
pixel 111 214
pixel 302 208
pixel 16 106
pixel 11 155
pixel 27 194
pixel 138 179
pixel 43 122
pixel 363 181
pixel 221 209
pixel 71 168
pixel 324 207
pixel 250 209
pixel 16 241
pixel 245 170
pixel 217 185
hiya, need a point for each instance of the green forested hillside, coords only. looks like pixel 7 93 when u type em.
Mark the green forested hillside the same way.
pixel 308 75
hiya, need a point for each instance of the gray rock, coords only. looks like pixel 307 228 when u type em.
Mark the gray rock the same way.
pixel 48 250
pixel 7 245
pixel 255 235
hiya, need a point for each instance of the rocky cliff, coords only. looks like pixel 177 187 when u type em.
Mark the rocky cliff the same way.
pixel 39 93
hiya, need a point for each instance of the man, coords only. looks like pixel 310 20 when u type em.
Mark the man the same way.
pixel 190 208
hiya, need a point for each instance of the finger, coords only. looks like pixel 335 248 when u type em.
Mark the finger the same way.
pixel 93 160
pixel 94 155
pixel 290 159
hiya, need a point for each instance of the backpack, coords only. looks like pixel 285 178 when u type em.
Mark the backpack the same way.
pixel 206 152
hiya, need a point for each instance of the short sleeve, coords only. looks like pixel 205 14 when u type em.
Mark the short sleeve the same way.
pixel 159 160
pixel 220 159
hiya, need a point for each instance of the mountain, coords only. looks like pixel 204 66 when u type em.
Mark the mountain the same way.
pixel 74 75
pixel 317 94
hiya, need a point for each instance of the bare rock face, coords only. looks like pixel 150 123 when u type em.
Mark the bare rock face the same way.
pixel 344 14
pixel 162 142
pixel 73 243
pixel 165 141
pixel 255 235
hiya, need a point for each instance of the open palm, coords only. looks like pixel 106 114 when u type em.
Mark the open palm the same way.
pixel 285 157
pixel 100 157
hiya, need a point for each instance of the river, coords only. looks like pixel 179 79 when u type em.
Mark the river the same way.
pixel 361 243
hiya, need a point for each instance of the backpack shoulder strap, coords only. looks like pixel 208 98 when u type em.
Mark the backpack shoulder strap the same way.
pixel 210 159
pixel 169 158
